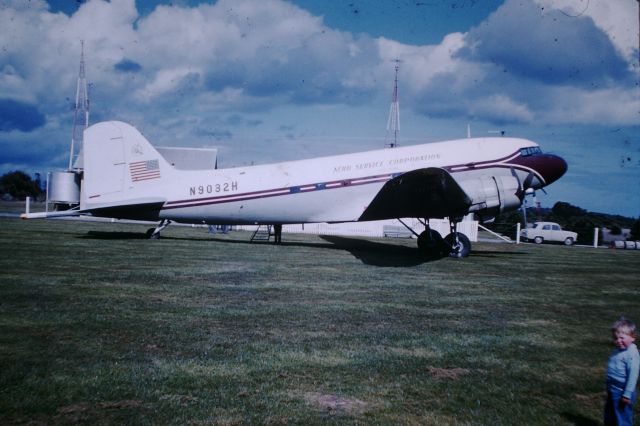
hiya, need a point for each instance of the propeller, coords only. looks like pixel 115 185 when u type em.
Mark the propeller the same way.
pixel 527 182
pixel 524 189
pixel 523 186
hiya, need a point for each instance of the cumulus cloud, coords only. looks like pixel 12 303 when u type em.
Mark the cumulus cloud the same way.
pixel 613 106
pixel 551 47
pixel 168 81
pixel 524 63
pixel 13 85
pixel 421 64
pixel 613 18
pixel 260 54
pixel 182 71
pixel 236 56
pixel 268 48
pixel 500 109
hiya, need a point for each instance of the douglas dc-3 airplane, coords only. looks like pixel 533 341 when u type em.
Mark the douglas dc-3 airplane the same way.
pixel 124 177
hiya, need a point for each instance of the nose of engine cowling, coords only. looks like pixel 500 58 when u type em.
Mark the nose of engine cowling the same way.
pixel 551 167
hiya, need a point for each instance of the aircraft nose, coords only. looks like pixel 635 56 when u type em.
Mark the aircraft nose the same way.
pixel 552 168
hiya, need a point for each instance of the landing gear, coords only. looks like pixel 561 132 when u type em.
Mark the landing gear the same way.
pixel 154 233
pixel 456 243
pixel 277 233
pixel 431 242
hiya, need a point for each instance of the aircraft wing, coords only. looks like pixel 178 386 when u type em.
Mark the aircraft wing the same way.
pixel 424 193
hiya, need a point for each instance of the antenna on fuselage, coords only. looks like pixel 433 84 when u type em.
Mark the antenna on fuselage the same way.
pixel 393 124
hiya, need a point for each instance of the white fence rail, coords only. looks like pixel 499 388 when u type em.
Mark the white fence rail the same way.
pixel 375 228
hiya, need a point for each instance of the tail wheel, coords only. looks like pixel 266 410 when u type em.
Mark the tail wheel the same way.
pixel 458 244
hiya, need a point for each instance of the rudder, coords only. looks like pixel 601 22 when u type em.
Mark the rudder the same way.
pixel 120 166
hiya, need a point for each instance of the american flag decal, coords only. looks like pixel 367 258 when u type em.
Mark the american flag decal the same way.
pixel 144 170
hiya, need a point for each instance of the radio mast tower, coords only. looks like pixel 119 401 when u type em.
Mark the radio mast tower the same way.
pixel 393 124
pixel 81 111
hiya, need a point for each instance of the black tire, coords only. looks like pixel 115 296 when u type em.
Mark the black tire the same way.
pixel 150 234
pixel 458 248
pixel 538 240
pixel 431 242
pixel 568 241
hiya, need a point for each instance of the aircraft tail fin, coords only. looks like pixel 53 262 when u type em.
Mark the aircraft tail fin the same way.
pixel 121 167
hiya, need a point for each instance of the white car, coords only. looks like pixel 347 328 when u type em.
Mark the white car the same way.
pixel 548 231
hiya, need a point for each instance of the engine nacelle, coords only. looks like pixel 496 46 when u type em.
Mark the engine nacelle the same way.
pixel 492 195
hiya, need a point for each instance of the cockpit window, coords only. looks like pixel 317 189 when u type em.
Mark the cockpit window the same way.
pixel 531 150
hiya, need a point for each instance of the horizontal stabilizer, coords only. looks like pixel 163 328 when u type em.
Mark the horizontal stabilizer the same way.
pixel 50 215
pixel 425 193
pixel 133 209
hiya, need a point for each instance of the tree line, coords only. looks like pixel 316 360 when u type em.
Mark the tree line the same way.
pixel 571 218
pixel 18 185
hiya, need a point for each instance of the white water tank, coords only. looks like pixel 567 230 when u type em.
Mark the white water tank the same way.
pixel 64 187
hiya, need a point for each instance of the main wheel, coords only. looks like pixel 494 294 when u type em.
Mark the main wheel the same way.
pixel 431 242
pixel 457 244
pixel 151 235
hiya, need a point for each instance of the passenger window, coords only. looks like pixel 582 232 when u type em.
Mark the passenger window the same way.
pixel 546 227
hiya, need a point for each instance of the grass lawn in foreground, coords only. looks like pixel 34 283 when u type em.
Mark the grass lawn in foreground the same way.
pixel 100 325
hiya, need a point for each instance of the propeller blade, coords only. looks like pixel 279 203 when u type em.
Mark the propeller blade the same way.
pixel 520 192
pixel 527 181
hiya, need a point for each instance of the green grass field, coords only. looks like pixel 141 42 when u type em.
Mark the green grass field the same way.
pixel 101 326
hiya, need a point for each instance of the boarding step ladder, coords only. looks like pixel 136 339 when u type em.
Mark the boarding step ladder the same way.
pixel 262 233
pixel 502 237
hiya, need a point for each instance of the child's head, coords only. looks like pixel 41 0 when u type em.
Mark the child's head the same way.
pixel 624 333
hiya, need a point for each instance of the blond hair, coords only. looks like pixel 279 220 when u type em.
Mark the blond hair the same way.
pixel 624 325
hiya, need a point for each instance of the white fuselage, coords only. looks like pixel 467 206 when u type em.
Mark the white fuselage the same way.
pixel 327 189
pixel 122 168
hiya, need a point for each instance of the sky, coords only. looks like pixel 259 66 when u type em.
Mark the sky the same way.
pixel 276 80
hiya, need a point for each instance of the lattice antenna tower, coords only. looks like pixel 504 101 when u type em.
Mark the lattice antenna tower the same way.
pixel 81 111
pixel 393 124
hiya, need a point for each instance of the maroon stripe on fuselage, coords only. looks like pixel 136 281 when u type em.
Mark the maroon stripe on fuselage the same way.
pixel 267 193
pixel 508 162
